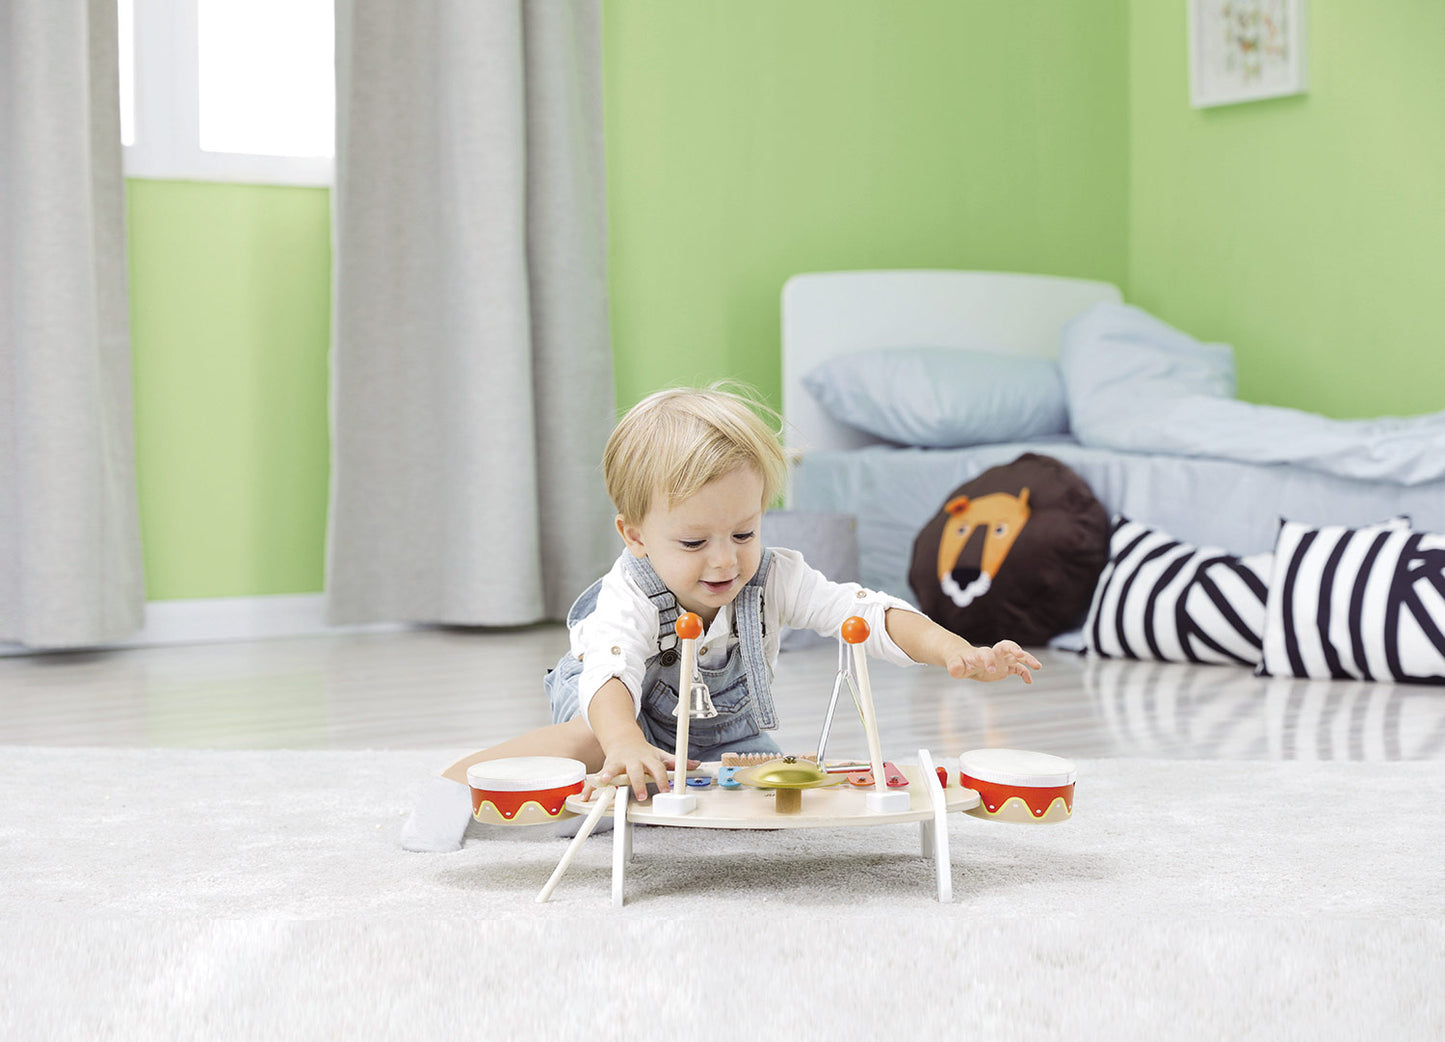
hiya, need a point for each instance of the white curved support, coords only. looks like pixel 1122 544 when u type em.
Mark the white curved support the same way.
pixel 870 718
pixel 688 649
pixel 679 801
pixel 621 844
pixel 939 826
pixel 882 800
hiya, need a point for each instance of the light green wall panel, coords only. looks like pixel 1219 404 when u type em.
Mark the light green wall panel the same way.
pixel 230 314
pixel 751 139
pixel 1305 231
pixel 748 140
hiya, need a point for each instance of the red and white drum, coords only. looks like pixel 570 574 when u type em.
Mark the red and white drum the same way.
pixel 524 790
pixel 1016 785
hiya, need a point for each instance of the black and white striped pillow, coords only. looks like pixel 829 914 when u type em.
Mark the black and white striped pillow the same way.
pixel 1367 603
pixel 1158 598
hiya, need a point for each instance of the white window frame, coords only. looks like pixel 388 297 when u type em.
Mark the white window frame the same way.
pixel 167 111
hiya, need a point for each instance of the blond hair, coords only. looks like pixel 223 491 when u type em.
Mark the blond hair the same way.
pixel 674 442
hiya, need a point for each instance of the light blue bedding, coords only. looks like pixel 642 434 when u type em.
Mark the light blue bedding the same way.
pixel 1208 502
pixel 1136 384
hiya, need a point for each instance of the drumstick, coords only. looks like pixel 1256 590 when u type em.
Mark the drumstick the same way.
pixel 689 628
pixel 604 800
pixel 855 632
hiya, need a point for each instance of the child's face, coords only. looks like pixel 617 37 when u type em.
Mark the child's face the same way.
pixel 707 547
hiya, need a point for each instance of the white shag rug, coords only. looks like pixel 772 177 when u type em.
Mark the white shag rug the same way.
pixel 179 894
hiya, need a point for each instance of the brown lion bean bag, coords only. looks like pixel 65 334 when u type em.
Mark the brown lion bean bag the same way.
pixel 1013 554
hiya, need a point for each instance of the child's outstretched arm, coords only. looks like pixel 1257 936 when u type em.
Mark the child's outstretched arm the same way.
pixel 926 641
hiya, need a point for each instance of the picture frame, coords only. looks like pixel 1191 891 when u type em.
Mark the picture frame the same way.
pixel 1245 50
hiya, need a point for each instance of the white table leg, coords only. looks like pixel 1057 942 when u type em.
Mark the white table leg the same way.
pixel 941 861
pixel 604 799
pixel 621 844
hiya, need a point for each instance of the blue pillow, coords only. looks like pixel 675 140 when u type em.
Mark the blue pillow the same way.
pixel 942 397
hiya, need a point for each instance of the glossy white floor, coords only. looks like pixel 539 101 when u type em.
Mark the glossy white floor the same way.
pixel 464 689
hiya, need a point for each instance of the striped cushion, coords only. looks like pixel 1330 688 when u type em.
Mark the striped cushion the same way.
pixel 1367 603
pixel 1162 599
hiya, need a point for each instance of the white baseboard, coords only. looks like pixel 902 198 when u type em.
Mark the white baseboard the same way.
pixel 215 620
pixel 231 618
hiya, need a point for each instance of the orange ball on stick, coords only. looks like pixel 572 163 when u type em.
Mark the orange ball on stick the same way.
pixel 855 630
pixel 689 626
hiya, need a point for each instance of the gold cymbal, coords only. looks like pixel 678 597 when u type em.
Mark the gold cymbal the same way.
pixel 787 772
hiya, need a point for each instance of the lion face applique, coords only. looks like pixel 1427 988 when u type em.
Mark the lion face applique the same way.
pixel 1013 553
pixel 999 517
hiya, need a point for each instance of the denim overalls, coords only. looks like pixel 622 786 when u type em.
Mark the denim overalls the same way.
pixel 740 690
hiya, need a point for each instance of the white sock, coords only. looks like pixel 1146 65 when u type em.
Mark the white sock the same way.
pixel 440 817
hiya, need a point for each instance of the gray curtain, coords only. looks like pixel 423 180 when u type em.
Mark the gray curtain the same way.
pixel 471 364
pixel 70 559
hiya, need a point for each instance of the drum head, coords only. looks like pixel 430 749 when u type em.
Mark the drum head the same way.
pixel 519 773
pixel 1017 767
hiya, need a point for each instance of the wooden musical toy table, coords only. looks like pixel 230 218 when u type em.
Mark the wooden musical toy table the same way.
pixel 839 806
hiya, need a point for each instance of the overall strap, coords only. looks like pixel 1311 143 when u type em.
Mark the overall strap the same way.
pixel 748 617
pixel 584 605
pixel 640 568
pixel 747 620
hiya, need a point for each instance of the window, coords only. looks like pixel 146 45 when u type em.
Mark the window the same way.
pixel 228 90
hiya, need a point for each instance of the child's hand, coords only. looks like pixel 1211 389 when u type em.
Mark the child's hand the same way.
pixel 924 640
pixel 639 761
pixel 1002 660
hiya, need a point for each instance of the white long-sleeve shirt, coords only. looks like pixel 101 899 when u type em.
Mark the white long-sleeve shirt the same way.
pixel 620 635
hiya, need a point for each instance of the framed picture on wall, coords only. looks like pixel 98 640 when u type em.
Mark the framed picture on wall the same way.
pixel 1245 50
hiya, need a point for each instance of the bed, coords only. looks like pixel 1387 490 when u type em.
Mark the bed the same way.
pixel 894 488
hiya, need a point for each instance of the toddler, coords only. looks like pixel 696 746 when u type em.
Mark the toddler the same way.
pixel 691 473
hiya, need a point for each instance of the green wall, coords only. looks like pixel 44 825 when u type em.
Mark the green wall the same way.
pixel 748 140
pixel 230 326
pixel 1305 231
pixel 752 139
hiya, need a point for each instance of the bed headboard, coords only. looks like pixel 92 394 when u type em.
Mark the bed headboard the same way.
pixel 837 312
